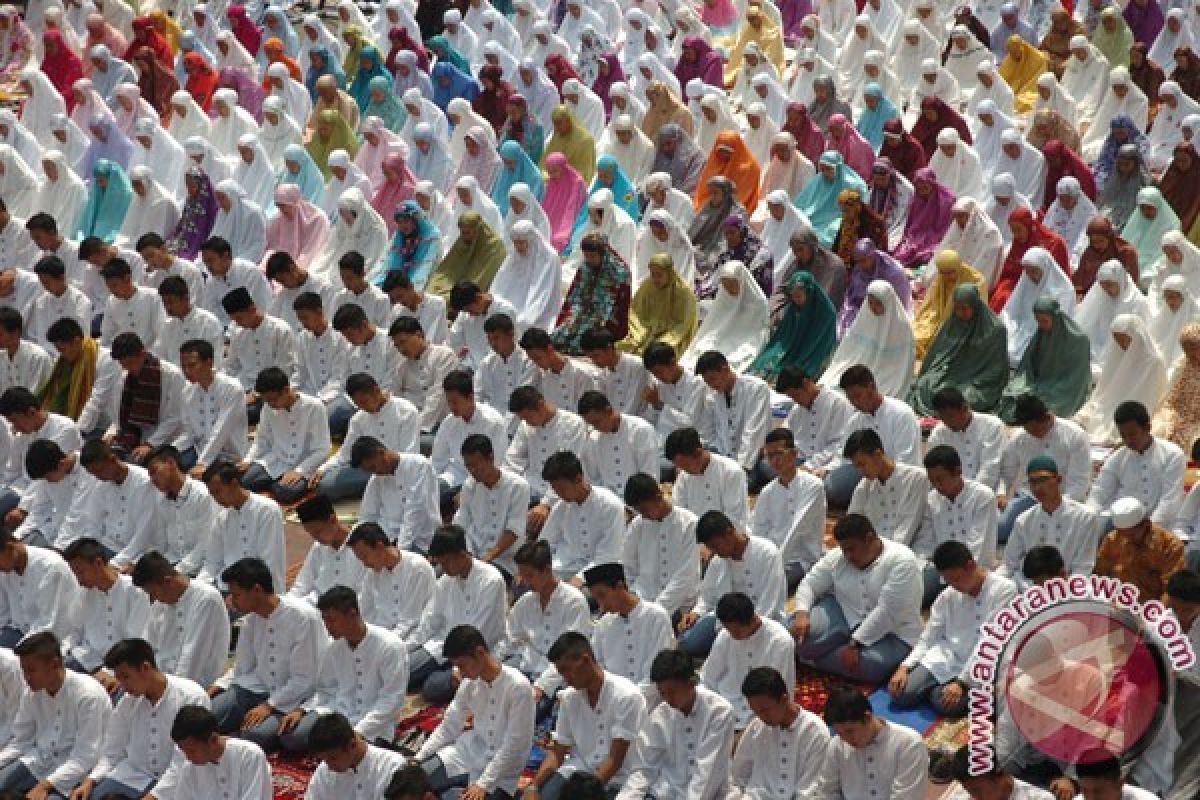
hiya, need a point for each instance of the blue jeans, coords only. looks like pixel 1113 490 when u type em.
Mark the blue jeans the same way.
pixel 839 485
pixel 8 501
pixel 828 635
pixel 339 416
pixel 17 779
pixel 1018 504
pixel 933 585
pixel 257 479
pixel 342 481
pixel 110 788
pixel 698 640
pixel 9 636
pixel 230 708
pixel 450 787
pixel 434 679
pixel 923 687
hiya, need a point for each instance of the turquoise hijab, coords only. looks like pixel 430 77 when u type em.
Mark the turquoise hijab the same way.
pixel 624 195
pixel 806 335
pixel 819 197
pixel 106 207
pixel 870 124
pixel 309 179
pixel 330 66
pixel 391 110
pixel 370 66
pixel 522 171
pixel 413 253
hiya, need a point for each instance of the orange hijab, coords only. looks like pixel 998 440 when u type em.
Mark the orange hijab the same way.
pixel 731 158
pixel 273 47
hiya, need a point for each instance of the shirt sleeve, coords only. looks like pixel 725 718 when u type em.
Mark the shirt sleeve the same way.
pixel 910 780
pixel 222 432
pixel 304 663
pixel 817 583
pixel 713 753
pixel 758 419
pixel 1173 491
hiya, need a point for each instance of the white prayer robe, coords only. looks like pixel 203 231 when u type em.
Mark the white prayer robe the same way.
pixel 255 530
pixel 279 654
pixel 895 762
pixel 980 446
pixel 366 780
pixel 295 438
pixel 487 512
pixel 660 559
pixel 1154 477
pixel 895 506
pixel 585 533
pixel 43 597
pixel 610 459
pixel 793 518
pixel 1073 528
pixel 721 487
pixel 589 731
pixel 214 420
pixel 947 644
pixel 419 381
pixel 366 682
pixel 405 503
pixel 531 446
pixel 106 617
pixel 191 636
pixel 251 350
pixel 970 518
pixel 395 598
pixel 532 630
pixel 1066 443
pixel 325 567
pixel 731 659
pixel 241 772
pixel 820 429
pixel 758 575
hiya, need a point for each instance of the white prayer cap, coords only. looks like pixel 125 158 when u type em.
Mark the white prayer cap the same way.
pixel 1079 42
pixel 452 17
pixel 339 158
pixel 947 136
pixel 929 65
pixel 1047 80
pixel 523 230
pixel 1010 136
pixel 1068 185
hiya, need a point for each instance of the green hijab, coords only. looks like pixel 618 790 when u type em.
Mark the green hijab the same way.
pixel 350 62
pixel 806 335
pixel 971 356
pixel 341 137
pixel 475 261
pixel 1056 367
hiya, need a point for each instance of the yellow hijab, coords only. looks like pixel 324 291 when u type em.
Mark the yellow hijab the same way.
pixel 761 29
pixel 576 144
pixel 938 304
pixel 668 314
pixel 1020 69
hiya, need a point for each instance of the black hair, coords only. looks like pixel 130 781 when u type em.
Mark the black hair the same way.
pixel 410 782
pixel 195 723
pixel 368 533
pixel 397 279
pixel 94 451
pixel 864 441
pixel 448 540
pixel 596 339
pixel 535 555
pixel 238 299
pixel 463 294
pixel 459 381
pixel 338 598
pixel 18 400
pixel 117 268
pixel 152 567
pixel 951 554
pixel 1099 765
pixel 1132 411
pixel 131 653
pixel 711 361
pixel 43 456
pixel 524 398
pixel 478 444
pixel 583 786
pixel 349 316
pixel 271 379
pixel 571 644
pixel 90 246
pixel 562 466
pixel 410 326
pixel 330 732
pixel 944 456
pixel 41 221
pixel 85 549
pixel 223 470
pixel 462 641
pixel 43 644
pixel 360 382
pixel 1184 585
pixel 11 320
pixel 658 354
pixel 735 607
pixel 783 435
pixel 51 266
pixel 278 263
pixel 536 339
pixel 846 705
pixel 499 323
pixel 641 488
pixel 1029 408
pixel 318 508
pixel 712 524
pixel 353 261
pixel 173 286
pixel 853 526
pixel 592 400
pixel 948 398
pixel 148 240
pixel 682 442
pixel 858 375
pixel 247 573
pixel 1043 561
pixel 127 345
pixel 364 449
pixel 764 682
pixel 309 301
pixel 672 665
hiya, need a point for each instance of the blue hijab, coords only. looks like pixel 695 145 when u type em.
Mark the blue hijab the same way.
pixel 450 82
pixel 624 196
pixel 413 254
pixel 1107 161
pixel 819 197
pixel 870 124
pixel 522 171
pixel 106 207
pixel 332 67
pixel 284 32
pixel 309 179
pixel 360 87
pixel 391 110
pixel 188 43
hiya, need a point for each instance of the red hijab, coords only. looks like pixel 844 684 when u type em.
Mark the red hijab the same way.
pixel 809 139
pixel 156 81
pixel 492 102
pixel 935 117
pixel 146 35
pixel 1062 161
pixel 62 65
pixel 202 79
pixel 401 40
pixel 1038 235
pixel 273 47
pixel 560 71
pixel 249 34
pixel 906 153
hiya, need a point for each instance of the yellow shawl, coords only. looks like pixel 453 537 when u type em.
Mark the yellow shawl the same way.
pixel 938 304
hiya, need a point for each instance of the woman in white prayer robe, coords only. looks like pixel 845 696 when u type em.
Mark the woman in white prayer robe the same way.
pixel 377 144
pixel 817 34
pixel 297 102
pixel 975 238
pixel 1069 215
pixel 524 207
pixel 988 125
pixel 1179 257
pixel 494 54
pixel 887 18
pixel 158 150
pixel 914 45
pixel 1024 162
pixel 1176 32
pixel 231 53
pixel 464 119
pixel 634 151
pixel 344 175
pixel 875 70
pixel 759 132
pixel 436 208
pixel 934 81
pixel 738 320
pixel 926 12
pixel 1040 276
pixel 356 226
pixel 230 122
pixel 152 208
pixel 19 185
pixel 348 13
pixel 1122 97
pixel 314 34
pixel 662 233
pixel 530 278
pixel 1167 130
pixel 880 338
pixel 201 153
pixel 62 192
pixel 187 118
pixel 394 14
pixel 1172 308
pixel 204 26
pixel 836 18
pixel 88 103
pixel 780 222
pixel 753 63
pixel 21 139
pixel 990 86
pixel 1052 97
pixel 469 196
pixel 545 43
pixel 579 16
pixel 587 107
pixel 255 173
pixel 963 58
pixel 42 101
pixel 624 101
pixel 1085 78
pixel 957 165
pixel 108 72
pixel 240 221
pixel 715 118
pixel 278 130
pixel 661 194
pixel 1004 200
pixel 863 39
pixel 428 159
pixel 1113 293
pixel 65 136
pixel 652 69
pixel 613 222
pixel 130 107
pixel 525 14
pixel 766 89
pixel 787 169
pixel 1132 370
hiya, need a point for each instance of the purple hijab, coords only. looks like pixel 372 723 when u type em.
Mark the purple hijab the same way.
pixel 928 220
pixel 115 147
pixel 886 269
pixel 196 221
pixel 249 91
pixel 603 83
pixel 1145 21
pixel 708 67
pixel 793 13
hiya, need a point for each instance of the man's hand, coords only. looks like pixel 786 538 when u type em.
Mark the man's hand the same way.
pixel 292 479
pixel 531 793
pixel 536 518
pixel 14 518
pixel 899 681
pixel 851 655
pixel 1001 501
pixel 1063 788
pixel 257 716
pixel 651 397
pixel 475 792
pixel 251 397
pixel 84 790
pixel 198 471
pixel 538 694
pixel 689 619
pixel 291 720
pixel 952 694
pixel 243 466
pixel 316 479
pixel 800 624
pixel 105 679
pixel 140 452
pixel 213 691
pixel 41 792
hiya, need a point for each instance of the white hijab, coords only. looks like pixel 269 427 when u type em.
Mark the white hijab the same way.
pixel 1086 79
pixel 1018 311
pixel 637 156
pixel 532 283
pixel 1099 308
pixel 276 136
pixel 1028 168
pixel 164 155
pixel 987 137
pixel 737 325
pixel 257 176
pixel 777 233
pixel 882 342
pixel 678 246
pixel 1165 323
pixel 476 201
pixel 468 119
pixel 336 187
pixel 587 107
pixel 533 213
pixel 66 195
pixel 1188 267
pixel 615 223
pixel 961 173
pixel 187 118
pixel 365 233
pixel 979 242
pixel 19 185
pixel 999 92
pixel 43 103
pixel 1134 104
pixel 76 142
pixel 1137 373
pixel 1071 224
pixel 154 212
pixel 244 225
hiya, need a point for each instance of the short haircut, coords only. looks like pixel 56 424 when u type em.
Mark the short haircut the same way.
pixel 948 398
pixel 18 400
pixel 165 452
pixel 712 524
pixel 952 554
pixel 524 398
pixel 41 221
pixel 1029 408
pixel 571 644
pixel 396 279
pixel 152 567
pixel 94 451
pixel 51 266
pixel 535 555
pixel 224 471
pixel 360 382
pixel 596 339
pixel 583 786
pixel 43 456
pixel 865 442
pixel 317 508
pixel 944 456
pixel 1132 411
pixel 370 533
pixel 478 444
pixel 672 665
pixel 853 526
pixel 348 317
pixel 127 345
pixel 962 766
pixel 247 573
pixel 353 261
pixel 499 323
pixel 410 326
pixel 271 379
pixel 659 354
pixel 309 301
pixel 592 400
pixel 448 540
pixel 562 466
pixel 117 268
pixel 193 723
pixel 783 436
pixel 711 361
pixel 43 644
pixel 463 294
pixel 90 246
pixel 846 705
pixel 147 240
pixel 1099 765
pixel 1043 561
pixel 338 598
pixel 278 263
pixel 85 549
pixel 735 607
pixel 459 381
pixel 536 339
pixel 63 331
pixel 682 442
pixel 858 375
pixel 764 682
pixel 462 641
pixel 330 732
pixel 173 286
pixel 1184 585
pixel 10 319
pixel 364 449
pixel 238 299
pixel 130 653
pixel 408 783
pixel 641 488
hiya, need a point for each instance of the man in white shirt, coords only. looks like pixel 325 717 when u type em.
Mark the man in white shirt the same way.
pixel 618 445
pixel 121 506
pixel 44 231
pixel 150 411
pixel 817 420
pixel 782 751
pixel 858 611
pixel 363 675
pixel 371 352
pixel 1147 468
pixel 685 744
pixel 249 525
pixel 22 363
pixel 889 494
pixel 214 764
pixel 504 369
pixel 938 668
pixel 292 440
pixel 979 439
pixel 277 660
pixel 1070 526
pixel 994 784
pixel 740 563
pixel 1044 434
pixel 111 608
pixel 473 306
pixel 491 506
pixel 736 416
pixel 746 640
pixel 599 718
pixel 74 353
pixel 160 264
pixel 790 511
pixel 956 509
pixel 357 290
pixel 659 554
pixel 428 309
pixel 486 760
pixel 468 592
pixel 1099 778
pixel 130 308
pixel 58 300
pixel 586 526
pixel 226 274
pixel 392 420
pixel 352 768
pixel 675 398
pixel 189 624
pixel 401 495
pixel 894 421
pixel 294 281
pixel 137 744
pixel 322 360
pixel 58 502
pixel 329 561
pixel 870 756
pixel 468 416
pixel 184 322
pixel 256 342
pixel 94 255
pixel 621 377
pixel 422 368
pixel 561 380
pixel 397 585
pixel 630 631
pixel 214 411
pixel 37 591
pixel 23 412
pixel 58 730
pixel 545 430
pixel 706 481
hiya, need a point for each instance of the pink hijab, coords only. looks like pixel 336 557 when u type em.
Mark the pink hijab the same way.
pixel 857 151
pixel 397 187
pixel 304 234
pixel 564 196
